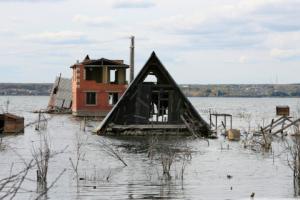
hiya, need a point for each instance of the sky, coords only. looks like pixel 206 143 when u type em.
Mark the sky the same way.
pixel 198 41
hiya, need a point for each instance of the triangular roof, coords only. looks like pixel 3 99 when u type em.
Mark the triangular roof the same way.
pixel 87 58
pixel 152 66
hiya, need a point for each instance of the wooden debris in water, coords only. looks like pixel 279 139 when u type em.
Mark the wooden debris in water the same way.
pixel 10 123
pixel 234 134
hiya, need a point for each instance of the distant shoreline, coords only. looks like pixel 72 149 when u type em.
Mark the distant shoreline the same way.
pixel 190 90
pixel 240 97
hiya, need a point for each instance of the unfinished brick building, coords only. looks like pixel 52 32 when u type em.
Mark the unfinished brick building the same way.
pixel 97 86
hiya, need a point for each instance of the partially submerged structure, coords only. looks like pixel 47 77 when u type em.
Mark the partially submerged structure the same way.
pixel 282 123
pixel 97 86
pixel 153 103
pixel 283 110
pixel 10 123
pixel 61 96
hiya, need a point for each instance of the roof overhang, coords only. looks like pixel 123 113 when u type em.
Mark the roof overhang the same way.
pixel 109 66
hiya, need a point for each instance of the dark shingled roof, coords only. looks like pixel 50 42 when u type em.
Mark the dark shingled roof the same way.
pixel 101 62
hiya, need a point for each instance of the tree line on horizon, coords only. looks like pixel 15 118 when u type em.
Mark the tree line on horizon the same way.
pixel 190 90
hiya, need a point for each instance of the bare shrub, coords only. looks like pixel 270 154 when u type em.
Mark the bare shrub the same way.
pixel 185 157
pixel 3 144
pixel 97 175
pixel 293 159
pixel 41 155
pixel 168 154
pixel 257 139
pixel 42 122
pixel 83 124
pixel 45 191
pixel 80 141
pixel 174 154
pixel 114 153
pixel 11 185
pixel 152 145
pixel 167 158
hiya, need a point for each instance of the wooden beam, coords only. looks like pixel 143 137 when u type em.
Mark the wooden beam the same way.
pixel 147 126
pixel 264 128
pixel 187 125
pixel 287 126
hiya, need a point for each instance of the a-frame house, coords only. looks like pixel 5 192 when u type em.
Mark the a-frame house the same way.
pixel 153 104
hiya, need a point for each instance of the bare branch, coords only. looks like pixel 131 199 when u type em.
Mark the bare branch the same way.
pixel 111 152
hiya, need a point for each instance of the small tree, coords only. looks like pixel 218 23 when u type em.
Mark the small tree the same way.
pixel 111 151
pixel 293 160
pixel 41 155
pixel 80 141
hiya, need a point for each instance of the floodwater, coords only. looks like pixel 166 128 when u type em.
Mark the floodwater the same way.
pixel 104 177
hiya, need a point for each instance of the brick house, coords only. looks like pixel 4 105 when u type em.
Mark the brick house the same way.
pixel 97 86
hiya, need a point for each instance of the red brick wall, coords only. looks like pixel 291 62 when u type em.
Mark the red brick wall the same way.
pixel 102 92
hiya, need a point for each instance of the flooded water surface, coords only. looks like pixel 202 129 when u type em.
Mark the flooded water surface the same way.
pixel 220 170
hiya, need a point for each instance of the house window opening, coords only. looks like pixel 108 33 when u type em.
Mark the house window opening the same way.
pixel 1 125
pixel 113 98
pixel 93 74
pixel 113 76
pixel 151 78
pixel 159 112
pixel 55 90
pixel 91 98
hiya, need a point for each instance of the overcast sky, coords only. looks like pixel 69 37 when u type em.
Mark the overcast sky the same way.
pixel 198 41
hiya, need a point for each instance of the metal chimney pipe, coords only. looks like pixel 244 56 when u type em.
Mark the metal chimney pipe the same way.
pixel 132 59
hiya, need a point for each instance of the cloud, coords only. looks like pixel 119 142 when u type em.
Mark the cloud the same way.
pixel 243 59
pixel 93 21
pixel 133 4
pixel 235 16
pixel 285 54
pixel 7 32
pixel 179 23
pixel 279 17
pixel 62 37
pixel 283 40
pixel 240 24
pixel 206 32
pixel 30 1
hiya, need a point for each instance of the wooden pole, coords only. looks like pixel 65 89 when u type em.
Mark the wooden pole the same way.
pixel 216 122
pixel 39 120
pixel 132 59
pixel 267 144
pixel 7 105
pixel 271 126
pixel 282 126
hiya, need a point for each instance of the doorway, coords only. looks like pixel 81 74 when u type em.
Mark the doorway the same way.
pixel 1 125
